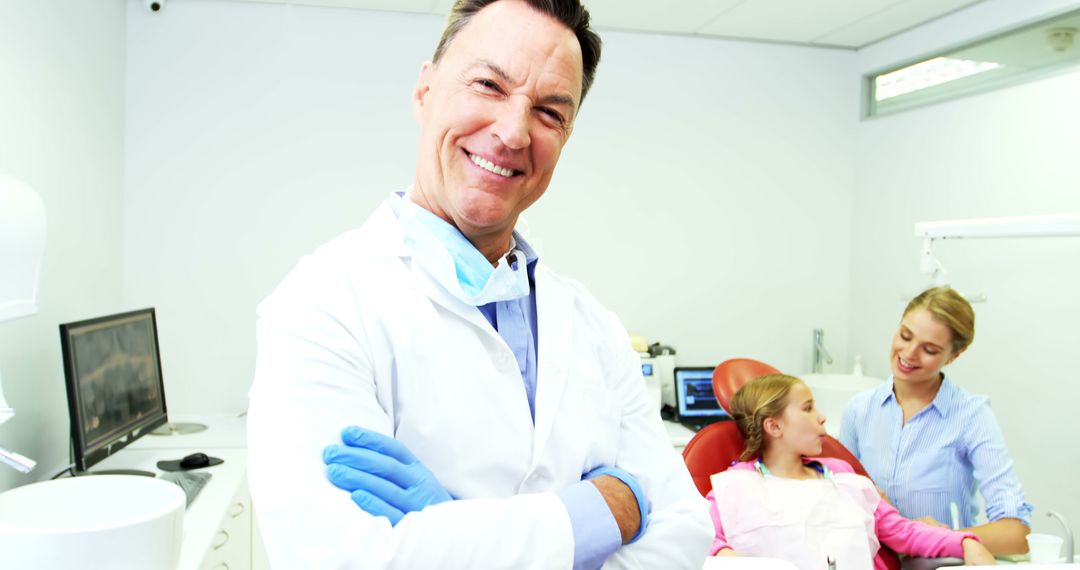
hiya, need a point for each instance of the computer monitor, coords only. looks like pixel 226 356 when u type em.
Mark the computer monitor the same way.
pixel 695 398
pixel 115 390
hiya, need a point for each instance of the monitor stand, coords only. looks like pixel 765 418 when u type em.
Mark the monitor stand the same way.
pixel 179 428
pixel 75 473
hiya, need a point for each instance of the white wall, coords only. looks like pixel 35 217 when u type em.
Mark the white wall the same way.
pixel 255 133
pixel 61 131
pixel 704 196
pixel 1004 153
pixel 706 192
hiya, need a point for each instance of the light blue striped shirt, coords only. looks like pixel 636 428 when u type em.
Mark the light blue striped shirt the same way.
pixel 942 455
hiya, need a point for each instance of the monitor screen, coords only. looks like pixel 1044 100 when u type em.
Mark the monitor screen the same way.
pixel 115 390
pixel 694 393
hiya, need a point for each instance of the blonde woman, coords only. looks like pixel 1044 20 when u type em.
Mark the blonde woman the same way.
pixel 928 443
pixel 781 501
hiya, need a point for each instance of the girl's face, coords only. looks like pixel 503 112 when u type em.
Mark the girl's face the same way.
pixel 801 426
pixel 921 346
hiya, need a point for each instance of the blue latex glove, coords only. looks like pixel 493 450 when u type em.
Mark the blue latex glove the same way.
pixel 384 477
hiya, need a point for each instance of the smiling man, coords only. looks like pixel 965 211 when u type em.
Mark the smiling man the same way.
pixel 452 402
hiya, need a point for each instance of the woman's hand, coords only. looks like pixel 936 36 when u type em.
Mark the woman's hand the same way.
pixel 726 552
pixel 975 554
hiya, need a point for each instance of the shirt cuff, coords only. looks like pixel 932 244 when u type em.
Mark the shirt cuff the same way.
pixel 596 533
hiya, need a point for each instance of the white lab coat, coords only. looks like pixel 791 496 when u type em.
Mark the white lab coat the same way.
pixel 357 335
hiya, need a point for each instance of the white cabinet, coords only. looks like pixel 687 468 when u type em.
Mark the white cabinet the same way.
pixel 230 548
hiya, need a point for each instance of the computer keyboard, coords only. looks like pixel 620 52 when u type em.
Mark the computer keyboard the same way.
pixel 190 482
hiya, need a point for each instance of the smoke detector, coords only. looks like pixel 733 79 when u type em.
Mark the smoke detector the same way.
pixel 1060 39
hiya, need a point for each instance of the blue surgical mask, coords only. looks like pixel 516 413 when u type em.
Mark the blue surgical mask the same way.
pixel 452 260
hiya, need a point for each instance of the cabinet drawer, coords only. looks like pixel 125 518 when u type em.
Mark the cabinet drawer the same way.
pixel 230 548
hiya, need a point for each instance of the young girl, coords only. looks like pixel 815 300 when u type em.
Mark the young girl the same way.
pixel 791 505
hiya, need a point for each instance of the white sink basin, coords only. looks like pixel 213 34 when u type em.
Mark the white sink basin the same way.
pixel 832 393
pixel 114 522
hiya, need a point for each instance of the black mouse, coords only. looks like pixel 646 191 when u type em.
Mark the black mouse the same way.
pixel 195 460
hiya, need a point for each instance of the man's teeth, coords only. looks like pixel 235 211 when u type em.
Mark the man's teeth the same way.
pixel 490 167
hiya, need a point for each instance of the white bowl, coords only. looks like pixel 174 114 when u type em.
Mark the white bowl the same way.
pixel 114 522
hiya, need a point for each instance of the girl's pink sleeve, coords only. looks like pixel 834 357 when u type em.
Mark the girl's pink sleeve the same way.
pixel 916 538
pixel 719 542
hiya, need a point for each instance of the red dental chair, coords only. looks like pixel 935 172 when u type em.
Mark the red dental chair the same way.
pixel 717 446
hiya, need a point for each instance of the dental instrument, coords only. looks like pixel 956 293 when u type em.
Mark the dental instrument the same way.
pixel 1070 554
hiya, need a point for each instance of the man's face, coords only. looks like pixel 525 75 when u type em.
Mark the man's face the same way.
pixel 494 116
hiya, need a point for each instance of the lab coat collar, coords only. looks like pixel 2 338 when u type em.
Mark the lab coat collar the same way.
pixel 385 235
pixel 388 241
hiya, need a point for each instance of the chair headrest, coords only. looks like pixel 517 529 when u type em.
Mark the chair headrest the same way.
pixel 730 375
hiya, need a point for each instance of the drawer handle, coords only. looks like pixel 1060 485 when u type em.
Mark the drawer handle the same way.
pixel 236 510
pixel 221 539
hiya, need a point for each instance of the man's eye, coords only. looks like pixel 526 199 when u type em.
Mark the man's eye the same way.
pixel 487 84
pixel 553 115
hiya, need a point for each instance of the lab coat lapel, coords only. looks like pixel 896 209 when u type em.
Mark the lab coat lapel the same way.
pixel 437 293
pixel 555 328
pixel 390 241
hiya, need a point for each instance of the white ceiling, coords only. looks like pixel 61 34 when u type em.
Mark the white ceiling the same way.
pixel 829 23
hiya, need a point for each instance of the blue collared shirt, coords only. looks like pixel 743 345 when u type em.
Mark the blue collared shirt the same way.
pixel 942 455
pixel 596 533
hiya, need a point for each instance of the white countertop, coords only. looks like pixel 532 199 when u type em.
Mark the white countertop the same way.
pixel 224 438
pixel 223 430
pixel 679 434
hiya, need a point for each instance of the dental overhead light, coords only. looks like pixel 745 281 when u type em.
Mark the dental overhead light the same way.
pixel 1054 225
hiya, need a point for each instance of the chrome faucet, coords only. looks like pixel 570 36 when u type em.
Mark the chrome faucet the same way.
pixel 821 356
pixel 1069 553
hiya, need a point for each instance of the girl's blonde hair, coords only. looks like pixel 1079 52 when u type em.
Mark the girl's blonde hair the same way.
pixel 952 310
pixel 760 398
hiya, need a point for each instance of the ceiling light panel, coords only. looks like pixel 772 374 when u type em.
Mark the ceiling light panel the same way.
pixel 797 21
pixel 891 21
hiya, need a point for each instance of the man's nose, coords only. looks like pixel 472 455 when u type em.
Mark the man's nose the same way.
pixel 512 124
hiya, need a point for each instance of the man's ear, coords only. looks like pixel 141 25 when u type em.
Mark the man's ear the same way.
pixel 423 85
pixel 772 427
